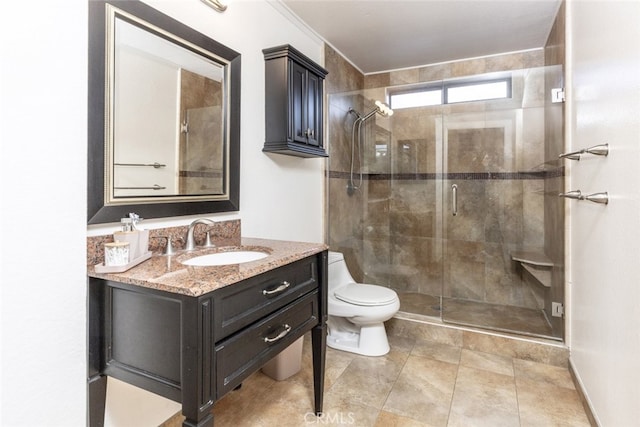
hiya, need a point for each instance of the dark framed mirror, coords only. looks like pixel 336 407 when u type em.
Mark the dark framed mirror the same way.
pixel 163 116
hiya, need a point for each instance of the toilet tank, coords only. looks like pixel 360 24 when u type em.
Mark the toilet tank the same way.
pixel 338 272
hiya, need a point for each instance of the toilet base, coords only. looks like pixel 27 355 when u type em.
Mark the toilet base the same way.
pixel 368 340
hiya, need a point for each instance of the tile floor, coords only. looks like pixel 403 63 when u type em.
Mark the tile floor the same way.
pixel 417 384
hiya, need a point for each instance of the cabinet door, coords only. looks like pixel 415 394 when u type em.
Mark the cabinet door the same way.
pixel 314 109
pixel 298 101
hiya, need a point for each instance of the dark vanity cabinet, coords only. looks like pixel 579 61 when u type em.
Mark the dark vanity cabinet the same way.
pixel 293 103
pixel 195 349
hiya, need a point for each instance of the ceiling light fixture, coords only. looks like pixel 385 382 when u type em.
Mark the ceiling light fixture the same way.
pixel 218 5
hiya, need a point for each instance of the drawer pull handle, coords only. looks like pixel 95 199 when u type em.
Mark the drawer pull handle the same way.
pixel 278 337
pixel 277 290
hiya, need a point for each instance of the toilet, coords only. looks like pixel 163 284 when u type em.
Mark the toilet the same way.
pixel 357 312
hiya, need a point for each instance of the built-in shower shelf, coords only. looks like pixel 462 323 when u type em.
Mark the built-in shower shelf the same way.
pixel 533 258
pixel 537 264
pixel 541 274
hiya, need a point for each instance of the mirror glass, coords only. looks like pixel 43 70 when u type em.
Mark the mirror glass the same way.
pixel 179 149
pixel 170 108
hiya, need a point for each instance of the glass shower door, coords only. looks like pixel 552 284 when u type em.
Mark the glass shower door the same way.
pixel 415 210
pixel 493 192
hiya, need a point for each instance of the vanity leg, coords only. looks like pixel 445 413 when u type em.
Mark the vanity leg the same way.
pixel 319 347
pixel 96 382
pixel 97 390
pixel 205 422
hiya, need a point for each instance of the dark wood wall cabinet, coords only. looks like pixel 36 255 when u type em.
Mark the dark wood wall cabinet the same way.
pixel 293 103
pixel 194 350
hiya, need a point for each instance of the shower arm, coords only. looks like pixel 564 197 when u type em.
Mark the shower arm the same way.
pixel 381 108
pixel 368 115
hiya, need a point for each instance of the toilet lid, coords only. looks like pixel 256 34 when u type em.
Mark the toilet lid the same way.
pixel 359 294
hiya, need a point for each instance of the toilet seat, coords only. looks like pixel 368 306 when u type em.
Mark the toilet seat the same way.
pixel 366 295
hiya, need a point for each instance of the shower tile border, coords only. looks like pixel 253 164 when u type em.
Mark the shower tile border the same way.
pixel 469 176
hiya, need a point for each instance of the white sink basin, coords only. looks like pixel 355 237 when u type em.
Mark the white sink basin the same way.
pixel 225 258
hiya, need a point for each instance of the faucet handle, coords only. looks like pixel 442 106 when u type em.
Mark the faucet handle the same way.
pixel 207 242
pixel 168 248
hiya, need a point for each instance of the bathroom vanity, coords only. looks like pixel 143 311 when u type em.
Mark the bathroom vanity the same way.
pixel 194 333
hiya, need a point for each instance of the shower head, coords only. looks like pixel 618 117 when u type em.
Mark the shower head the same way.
pixel 381 108
pixel 384 109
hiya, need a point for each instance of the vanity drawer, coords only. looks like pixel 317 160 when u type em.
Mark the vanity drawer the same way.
pixel 237 306
pixel 240 355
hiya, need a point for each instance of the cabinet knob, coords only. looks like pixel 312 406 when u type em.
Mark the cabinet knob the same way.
pixel 309 133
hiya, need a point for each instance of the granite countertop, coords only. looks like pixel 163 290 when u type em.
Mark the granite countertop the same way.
pixel 166 273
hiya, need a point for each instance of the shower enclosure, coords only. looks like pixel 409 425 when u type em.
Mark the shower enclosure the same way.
pixel 454 205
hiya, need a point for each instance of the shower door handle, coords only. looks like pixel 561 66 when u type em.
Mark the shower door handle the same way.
pixel 454 199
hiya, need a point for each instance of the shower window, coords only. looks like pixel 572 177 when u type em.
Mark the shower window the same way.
pixel 453 92
pixel 422 97
pixel 478 91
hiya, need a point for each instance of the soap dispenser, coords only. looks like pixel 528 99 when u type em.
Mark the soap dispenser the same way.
pixel 138 239
pixel 129 248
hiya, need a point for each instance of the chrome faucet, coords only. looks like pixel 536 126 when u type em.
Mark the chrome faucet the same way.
pixel 191 241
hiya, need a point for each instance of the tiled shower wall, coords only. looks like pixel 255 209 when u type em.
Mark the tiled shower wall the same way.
pixel 345 213
pixel 396 229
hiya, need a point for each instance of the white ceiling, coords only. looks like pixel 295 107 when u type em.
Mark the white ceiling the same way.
pixel 377 35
